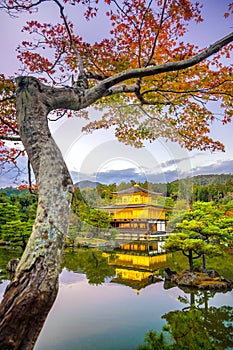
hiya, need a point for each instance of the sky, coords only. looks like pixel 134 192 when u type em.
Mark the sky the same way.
pixel 99 156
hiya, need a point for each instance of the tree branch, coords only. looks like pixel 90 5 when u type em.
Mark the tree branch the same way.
pixel 10 138
pixel 77 99
pixel 157 34
pixel 9 125
pixel 82 80
pixel 166 67
pixel 95 76
pixel 190 91
pixel 16 6
pixel 122 88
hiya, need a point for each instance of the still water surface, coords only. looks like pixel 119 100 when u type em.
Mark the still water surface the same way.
pixel 110 315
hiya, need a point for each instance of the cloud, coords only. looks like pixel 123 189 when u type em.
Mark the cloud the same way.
pixel 224 167
pixel 121 176
pixel 118 176
pixel 177 161
pixel 111 176
pixel 10 176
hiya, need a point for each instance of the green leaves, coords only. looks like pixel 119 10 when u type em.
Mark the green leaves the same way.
pixel 17 213
pixel 201 232
pixel 17 232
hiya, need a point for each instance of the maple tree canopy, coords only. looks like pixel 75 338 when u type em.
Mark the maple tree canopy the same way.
pixel 147 81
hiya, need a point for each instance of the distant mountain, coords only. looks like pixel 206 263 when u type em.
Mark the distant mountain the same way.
pixel 201 180
pixel 12 190
pixel 210 179
pixel 87 184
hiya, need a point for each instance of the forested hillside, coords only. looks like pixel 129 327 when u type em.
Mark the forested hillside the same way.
pixel 204 188
pixel 18 207
pixel 204 180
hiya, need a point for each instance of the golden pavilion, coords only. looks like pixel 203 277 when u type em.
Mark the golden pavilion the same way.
pixel 136 213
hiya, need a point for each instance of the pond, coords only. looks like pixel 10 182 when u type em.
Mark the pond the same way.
pixel 95 309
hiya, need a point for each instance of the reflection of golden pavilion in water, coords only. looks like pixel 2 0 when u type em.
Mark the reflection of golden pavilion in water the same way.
pixel 136 213
pixel 137 263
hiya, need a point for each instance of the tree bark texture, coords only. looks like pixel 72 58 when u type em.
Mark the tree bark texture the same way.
pixel 31 293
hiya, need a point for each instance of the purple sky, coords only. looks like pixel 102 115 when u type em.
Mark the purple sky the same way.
pixel 214 27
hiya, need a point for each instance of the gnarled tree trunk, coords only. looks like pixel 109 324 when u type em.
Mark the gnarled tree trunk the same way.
pixel 31 293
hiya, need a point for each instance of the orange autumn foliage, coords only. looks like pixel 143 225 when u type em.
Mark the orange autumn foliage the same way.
pixel 174 105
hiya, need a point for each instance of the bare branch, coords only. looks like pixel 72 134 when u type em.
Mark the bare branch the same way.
pixel 147 114
pixel 202 90
pixel 16 7
pixel 10 138
pixel 157 34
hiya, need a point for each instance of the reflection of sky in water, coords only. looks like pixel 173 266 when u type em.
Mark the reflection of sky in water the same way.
pixel 109 316
pixel 219 297
pixel 69 277
pixel 2 288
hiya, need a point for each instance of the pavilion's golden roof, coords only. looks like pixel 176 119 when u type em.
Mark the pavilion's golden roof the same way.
pixel 136 189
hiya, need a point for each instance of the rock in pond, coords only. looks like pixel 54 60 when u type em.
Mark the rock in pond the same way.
pixel 201 280
pixel 12 265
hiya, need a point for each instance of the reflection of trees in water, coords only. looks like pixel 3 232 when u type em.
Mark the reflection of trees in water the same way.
pixel 91 262
pixel 33 302
pixel 196 326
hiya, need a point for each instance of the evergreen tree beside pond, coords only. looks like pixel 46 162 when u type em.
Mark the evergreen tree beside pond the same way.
pixel 17 214
pixel 17 232
pixel 203 231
